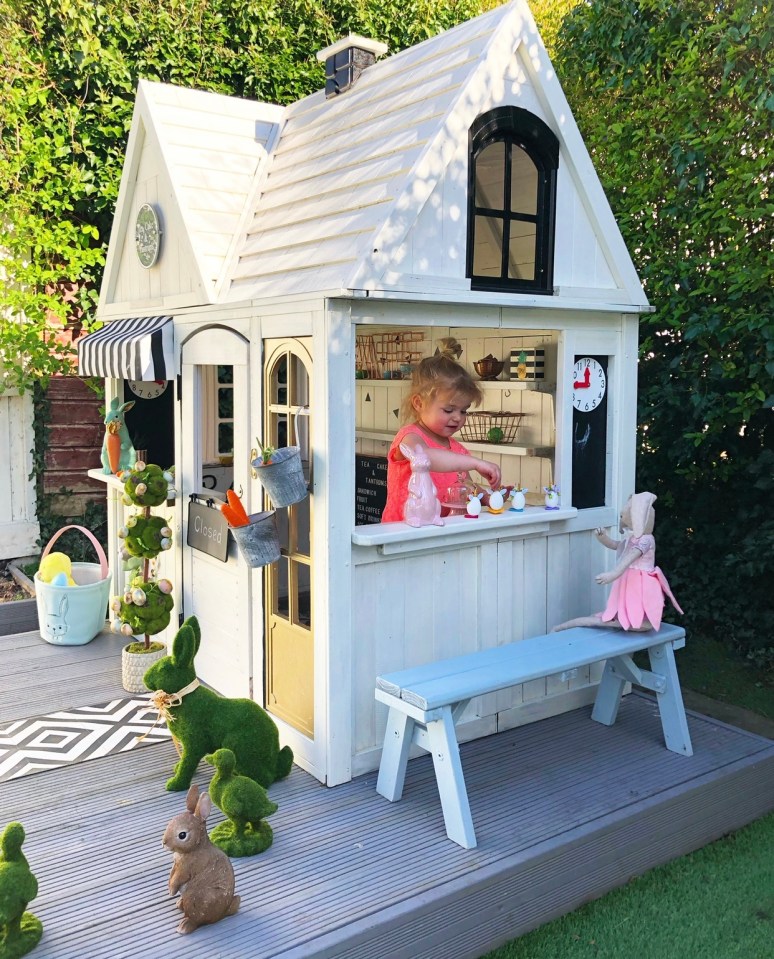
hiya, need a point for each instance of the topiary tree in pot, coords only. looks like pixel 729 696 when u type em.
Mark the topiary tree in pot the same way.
pixel 146 605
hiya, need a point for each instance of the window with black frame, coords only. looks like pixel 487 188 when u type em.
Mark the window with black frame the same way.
pixel 514 157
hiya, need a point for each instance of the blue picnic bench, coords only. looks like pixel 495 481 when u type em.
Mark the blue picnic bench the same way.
pixel 426 701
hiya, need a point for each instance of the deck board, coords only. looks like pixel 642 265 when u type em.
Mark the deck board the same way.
pixel 564 809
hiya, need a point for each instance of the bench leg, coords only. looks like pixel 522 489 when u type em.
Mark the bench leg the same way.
pixel 670 701
pixel 395 754
pixel 445 750
pixel 608 697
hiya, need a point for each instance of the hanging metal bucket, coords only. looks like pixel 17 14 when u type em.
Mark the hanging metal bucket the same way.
pixel 258 542
pixel 283 478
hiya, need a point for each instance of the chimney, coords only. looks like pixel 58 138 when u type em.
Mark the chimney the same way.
pixel 346 59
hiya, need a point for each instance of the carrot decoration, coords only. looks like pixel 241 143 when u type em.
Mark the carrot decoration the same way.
pixel 236 504
pixel 113 446
pixel 234 511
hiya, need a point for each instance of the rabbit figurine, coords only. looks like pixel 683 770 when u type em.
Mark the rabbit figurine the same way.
pixel 423 508
pixel 117 450
pixel 474 506
pixel 202 871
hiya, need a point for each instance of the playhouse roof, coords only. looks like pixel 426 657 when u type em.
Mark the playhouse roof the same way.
pixel 323 195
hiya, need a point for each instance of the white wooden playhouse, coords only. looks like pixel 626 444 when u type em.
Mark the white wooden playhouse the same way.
pixel 273 272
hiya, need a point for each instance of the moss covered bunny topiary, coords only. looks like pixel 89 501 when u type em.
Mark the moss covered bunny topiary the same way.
pixel 20 931
pixel 201 721
pixel 245 802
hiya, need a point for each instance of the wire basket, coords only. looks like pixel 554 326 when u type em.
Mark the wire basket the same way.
pixel 484 426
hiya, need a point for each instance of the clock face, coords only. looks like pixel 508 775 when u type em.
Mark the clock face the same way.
pixel 147 389
pixel 588 384
pixel 147 235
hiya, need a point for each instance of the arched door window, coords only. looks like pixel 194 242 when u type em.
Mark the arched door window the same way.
pixel 513 161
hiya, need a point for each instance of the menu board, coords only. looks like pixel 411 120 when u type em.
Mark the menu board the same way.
pixel 370 488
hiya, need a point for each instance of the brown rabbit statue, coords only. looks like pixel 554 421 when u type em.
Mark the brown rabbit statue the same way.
pixel 201 871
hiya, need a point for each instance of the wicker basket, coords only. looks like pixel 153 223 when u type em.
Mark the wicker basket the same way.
pixel 484 426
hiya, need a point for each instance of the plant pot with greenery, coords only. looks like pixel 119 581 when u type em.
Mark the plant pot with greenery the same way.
pixel 146 606
pixel 281 474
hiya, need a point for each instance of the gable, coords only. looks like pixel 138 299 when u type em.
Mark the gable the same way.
pixel 196 157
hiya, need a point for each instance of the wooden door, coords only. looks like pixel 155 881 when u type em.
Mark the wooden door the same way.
pixel 215 412
pixel 289 638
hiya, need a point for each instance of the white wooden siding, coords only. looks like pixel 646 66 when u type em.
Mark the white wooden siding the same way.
pixel 410 610
pixel 19 528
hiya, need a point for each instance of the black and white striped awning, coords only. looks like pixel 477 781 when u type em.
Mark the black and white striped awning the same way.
pixel 135 348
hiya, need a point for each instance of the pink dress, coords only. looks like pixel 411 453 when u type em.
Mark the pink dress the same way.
pixel 638 594
pixel 399 473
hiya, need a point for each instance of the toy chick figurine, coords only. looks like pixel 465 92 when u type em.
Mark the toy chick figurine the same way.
pixel 637 598
pixel 56 569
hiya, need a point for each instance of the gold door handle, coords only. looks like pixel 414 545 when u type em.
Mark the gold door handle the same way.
pixel 253 456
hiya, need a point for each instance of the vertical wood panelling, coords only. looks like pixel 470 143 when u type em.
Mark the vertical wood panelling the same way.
pixel 7 455
pixel 457 600
pixel 76 430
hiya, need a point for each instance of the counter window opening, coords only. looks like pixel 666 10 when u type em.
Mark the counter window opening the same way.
pixel 513 162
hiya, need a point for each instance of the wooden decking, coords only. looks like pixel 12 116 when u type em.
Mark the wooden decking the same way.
pixel 564 810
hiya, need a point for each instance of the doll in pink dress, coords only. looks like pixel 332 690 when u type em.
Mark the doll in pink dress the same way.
pixel 637 598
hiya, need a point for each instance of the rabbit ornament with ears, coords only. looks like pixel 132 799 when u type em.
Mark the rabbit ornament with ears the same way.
pixel 118 453
pixel 202 871
pixel 423 508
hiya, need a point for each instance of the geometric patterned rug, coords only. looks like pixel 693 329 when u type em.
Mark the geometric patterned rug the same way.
pixel 74 735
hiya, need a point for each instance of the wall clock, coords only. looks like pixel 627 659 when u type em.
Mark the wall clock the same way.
pixel 147 389
pixel 589 384
pixel 147 235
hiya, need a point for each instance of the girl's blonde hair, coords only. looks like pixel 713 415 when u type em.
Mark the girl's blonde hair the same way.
pixel 436 374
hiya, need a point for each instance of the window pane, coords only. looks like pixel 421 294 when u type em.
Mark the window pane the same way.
pixel 225 374
pixel 302 584
pixel 524 183
pixel 300 512
pixel 280 578
pixel 225 438
pixel 487 246
pixel 279 380
pixel 521 251
pixel 226 403
pixel 490 177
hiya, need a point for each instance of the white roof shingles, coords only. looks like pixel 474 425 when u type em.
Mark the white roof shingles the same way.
pixel 344 168
pixel 215 148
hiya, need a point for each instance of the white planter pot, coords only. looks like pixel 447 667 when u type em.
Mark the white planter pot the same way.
pixel 135 665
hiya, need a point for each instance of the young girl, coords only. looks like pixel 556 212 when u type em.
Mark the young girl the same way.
pixel 436 407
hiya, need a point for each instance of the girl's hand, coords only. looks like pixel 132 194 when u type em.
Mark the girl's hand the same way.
pixel 490 472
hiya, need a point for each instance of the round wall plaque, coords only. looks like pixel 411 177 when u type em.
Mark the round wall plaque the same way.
pixel 147 235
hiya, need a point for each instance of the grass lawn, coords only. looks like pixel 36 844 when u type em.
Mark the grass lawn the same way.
pixel 707 667
pixel 717 903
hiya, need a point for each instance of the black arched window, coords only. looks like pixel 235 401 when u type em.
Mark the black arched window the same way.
pixel 513 161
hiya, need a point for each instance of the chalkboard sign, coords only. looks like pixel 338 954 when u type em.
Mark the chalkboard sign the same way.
pixel 370 488
pixel 207 530
pixel 589 431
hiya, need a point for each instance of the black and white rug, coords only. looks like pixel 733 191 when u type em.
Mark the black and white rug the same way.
pixel 74 735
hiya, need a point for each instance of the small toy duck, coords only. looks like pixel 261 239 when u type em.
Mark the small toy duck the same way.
pixel 56 569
